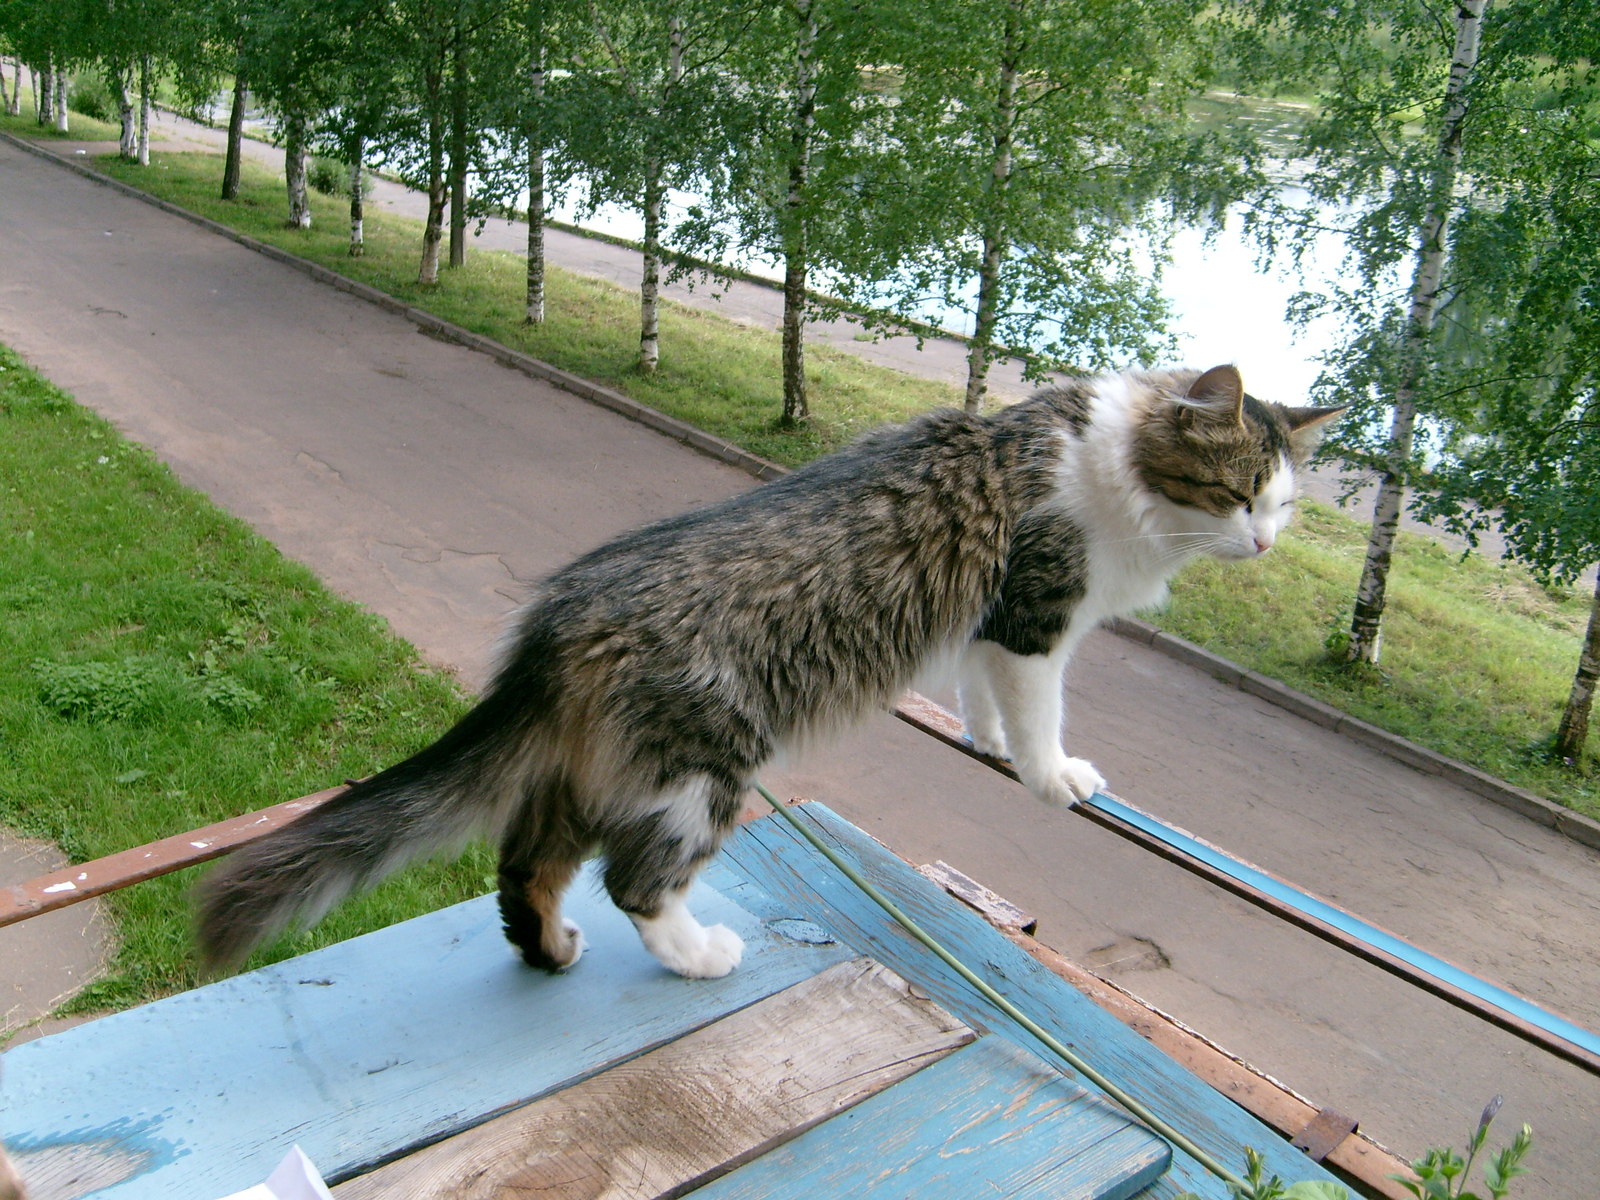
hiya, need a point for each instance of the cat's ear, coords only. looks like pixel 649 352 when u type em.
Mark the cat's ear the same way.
pixel 1216 397
pixel 1306 427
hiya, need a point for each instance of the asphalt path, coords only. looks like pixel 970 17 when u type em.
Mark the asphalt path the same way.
pixel 432 485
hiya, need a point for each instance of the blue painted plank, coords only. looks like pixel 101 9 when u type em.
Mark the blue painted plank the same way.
pixel 989 1120
pixel 772 871
pixel 363 1049
pixel 1298 900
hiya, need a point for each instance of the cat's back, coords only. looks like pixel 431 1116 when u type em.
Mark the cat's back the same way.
pixel 940 475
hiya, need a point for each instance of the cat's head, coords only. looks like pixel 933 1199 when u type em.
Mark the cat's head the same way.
pixel 1222 461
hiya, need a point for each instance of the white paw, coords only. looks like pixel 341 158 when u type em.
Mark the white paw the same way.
pixel 1067 782
pixel 569 945
pixel 987 739
pixel 709 954
pixel 684 946
pixel 723 950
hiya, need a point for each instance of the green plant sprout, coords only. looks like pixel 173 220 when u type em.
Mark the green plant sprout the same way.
pixel 1440 1174
pixel 1444 1174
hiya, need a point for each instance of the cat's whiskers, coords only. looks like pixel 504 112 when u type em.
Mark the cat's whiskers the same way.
pixel 1178 544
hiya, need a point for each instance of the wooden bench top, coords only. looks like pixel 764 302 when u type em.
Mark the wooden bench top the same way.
pixel 424 1061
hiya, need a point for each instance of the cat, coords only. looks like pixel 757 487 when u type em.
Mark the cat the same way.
pixel 649 680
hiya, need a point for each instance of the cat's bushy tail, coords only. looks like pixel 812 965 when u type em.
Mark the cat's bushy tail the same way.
pixel 431 803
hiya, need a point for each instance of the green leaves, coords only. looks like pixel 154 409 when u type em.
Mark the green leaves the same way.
pixel 95 691
pixel 1441 1174
pixel 1445 1175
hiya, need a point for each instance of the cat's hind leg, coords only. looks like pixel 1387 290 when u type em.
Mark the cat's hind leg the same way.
pixel 652 859
pixel 539 855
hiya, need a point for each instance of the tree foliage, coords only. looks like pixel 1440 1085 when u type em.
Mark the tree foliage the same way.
pixel 1466 186
pixel 1030 140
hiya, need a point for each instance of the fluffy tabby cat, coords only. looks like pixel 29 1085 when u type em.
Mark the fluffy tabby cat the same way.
pixel 649 681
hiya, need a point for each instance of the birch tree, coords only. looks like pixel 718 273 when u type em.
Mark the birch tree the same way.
pixel 538 30
pixel 641 117
pixel 1035 138
pixel 439 57
pixel 550 33
pixel 289 47
pixel 1405 119
pixel 1523 456
pixel 798 137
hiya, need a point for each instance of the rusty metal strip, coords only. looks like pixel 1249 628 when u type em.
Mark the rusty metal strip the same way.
pixel 1510 1012
pixel 1323 1133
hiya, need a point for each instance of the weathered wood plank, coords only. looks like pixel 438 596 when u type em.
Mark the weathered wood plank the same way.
pixel 84 881
pixel 656 1125
pixel 990 1120
pixel 987 903
pixel 1261 1095
pixel 770 869
pixel 365 1049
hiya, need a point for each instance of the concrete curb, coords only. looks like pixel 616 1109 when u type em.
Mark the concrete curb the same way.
pixel 1575 826
pixel 1579 828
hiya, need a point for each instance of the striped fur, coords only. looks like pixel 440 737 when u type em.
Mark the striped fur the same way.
pixel 649 680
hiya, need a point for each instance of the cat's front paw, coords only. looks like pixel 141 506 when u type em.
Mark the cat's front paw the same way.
pixel 1067 782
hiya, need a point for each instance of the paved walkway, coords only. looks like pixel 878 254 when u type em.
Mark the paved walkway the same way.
pixel 428 483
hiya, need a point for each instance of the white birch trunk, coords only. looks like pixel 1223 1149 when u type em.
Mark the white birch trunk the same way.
pixel 128 135
pixel 433 230
pixel 358 244
pixel 650 281
pixel 533 312
pixel 995 241
pixel 5 96
pixel 654 194
pixel 14 108
pixel 1366 632
pixel 41 95
pixel 294 170
pixel 61 102
pixel 146 105
pixel 796 250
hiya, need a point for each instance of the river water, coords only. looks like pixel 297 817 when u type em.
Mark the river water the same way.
pixel 1227 305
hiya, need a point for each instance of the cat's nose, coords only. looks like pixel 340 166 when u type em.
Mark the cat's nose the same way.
pixel 1263 544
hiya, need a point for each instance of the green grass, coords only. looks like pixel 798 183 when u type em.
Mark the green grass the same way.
pixel 80 128
pixel 1477 656
pixel 162 667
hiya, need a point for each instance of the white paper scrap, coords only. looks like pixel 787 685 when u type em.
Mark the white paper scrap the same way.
pixel 293 1179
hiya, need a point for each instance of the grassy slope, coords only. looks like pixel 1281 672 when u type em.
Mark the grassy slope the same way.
pixel 162 667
